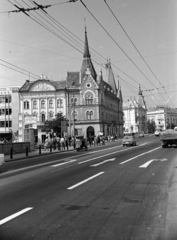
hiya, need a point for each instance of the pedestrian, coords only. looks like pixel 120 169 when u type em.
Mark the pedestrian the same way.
pixel 90 140
pixel 66 143
pixel 54 143
pixel 58 143
pixel 63 143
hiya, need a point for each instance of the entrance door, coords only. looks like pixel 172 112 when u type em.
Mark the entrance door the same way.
pixel 90 132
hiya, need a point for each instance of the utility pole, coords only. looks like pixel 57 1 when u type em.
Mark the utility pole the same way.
pixel 74 116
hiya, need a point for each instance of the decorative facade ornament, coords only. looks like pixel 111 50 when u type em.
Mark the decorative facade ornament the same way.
pixel 42 87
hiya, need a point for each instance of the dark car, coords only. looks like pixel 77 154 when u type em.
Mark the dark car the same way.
pixel 129 140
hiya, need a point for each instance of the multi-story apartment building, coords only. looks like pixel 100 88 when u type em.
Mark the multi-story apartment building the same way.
pixel 9 110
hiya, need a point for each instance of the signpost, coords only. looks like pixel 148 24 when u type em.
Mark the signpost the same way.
pixel 64 126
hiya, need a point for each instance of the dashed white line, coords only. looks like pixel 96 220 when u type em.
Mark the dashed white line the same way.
pixel 100 163
pixel 84 181
pixel 15 215
pixel 140 155
pixel 59 164
pixel 108 154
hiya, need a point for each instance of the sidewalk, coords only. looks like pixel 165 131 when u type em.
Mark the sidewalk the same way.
pixel 35 153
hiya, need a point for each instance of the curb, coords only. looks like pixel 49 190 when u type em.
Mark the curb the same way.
pixel 47 153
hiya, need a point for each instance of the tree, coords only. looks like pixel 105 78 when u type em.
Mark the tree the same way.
pixel 170 126
pixel 151 126
pixel 55 124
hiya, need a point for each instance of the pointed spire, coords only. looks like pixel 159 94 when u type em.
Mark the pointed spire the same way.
pixel 140 92
pixel 140 97
pixel 87 65
pixel 86 47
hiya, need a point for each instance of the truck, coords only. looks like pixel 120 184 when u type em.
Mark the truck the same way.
pixel 168 138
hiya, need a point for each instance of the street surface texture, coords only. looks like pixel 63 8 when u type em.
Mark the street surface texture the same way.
pixel 108 192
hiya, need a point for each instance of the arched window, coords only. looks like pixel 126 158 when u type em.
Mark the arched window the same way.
pixel 50 103
pixel 51 115
pixel 42 103
pixel 43 117
pixel 89 100
pixel 59 103
pixel 89 115
pixel 26 105
pixel 34 104
pixel 73 100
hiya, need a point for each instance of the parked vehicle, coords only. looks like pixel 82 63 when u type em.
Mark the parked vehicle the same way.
pixel 81 143
pixel 168 138
pixel 141 134
pixel 157 133
pixel 129 140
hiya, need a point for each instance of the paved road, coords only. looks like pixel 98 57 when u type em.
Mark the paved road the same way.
pixel 110 192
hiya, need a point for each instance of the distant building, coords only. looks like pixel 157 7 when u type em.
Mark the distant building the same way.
pixel 163 116
pixel 9 110
pixel 135 114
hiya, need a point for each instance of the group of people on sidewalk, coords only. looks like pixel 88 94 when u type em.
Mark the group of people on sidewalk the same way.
pixel 63 143
pixel 59 143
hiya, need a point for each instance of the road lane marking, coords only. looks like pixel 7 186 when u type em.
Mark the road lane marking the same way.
pixel 149 162
pixel 59 164
pixel 140 155
pixel 84 181
pixel 97 164
pixel 15 215
pixel 33 166
pixel 102 156
pixel 146 164
pixel 109 154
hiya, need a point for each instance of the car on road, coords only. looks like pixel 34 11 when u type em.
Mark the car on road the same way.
pixel 157 133
pixel 141 134
pixel 129 140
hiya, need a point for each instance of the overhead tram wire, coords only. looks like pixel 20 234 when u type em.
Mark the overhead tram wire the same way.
pixel 115 42
pixel 93 59
pixel 55 34
pixel 134 45
pixel 19 68
pixel 36 8
pixel 44 12
pixel 66 31
pixel 47 28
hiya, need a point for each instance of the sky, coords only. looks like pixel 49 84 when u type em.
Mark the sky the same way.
pixel 139 37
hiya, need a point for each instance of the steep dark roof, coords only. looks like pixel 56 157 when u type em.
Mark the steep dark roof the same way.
pixel 111 79
pixel 73 79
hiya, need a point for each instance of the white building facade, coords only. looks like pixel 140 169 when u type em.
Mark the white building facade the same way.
pixel 135 115
pixel 40 100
